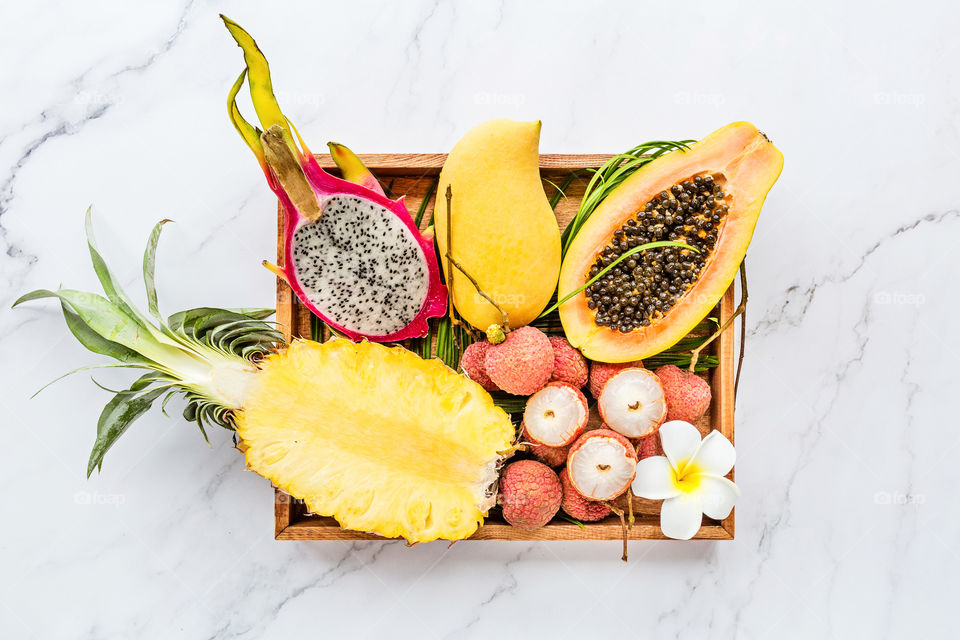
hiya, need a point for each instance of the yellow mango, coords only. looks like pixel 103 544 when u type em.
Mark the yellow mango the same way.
pixel 503 231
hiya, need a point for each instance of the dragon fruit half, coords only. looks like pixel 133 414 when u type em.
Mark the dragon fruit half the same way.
pixel 354 257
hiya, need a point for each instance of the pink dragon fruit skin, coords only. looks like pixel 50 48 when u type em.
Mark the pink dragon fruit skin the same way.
pixel 326 185
pixel 358 262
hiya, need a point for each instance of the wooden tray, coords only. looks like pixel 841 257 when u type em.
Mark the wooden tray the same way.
pixel 411 175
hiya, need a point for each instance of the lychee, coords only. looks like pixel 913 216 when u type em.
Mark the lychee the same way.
pixel 688 395
pixel 555 415
pixel 632 403
pixel 472 364
pixel 649 446
pixel 576 505
pixel 522 363
pixel 569 365
pixel 550 456
pixel 530 494
pixel 600 372
pixel 601 464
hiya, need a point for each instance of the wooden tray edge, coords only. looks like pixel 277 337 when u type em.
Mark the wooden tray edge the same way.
pixel 391 164
pixel 646 529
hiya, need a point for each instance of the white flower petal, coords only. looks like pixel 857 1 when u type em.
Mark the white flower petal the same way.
pixel 717 495
pixel 680 441
pixel 655 479
pixel 716 455
pixel 680 517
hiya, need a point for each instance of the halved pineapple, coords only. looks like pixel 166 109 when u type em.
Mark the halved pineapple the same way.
pixel 376 437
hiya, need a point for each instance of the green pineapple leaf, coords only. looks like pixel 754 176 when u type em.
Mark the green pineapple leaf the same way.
pixel 117 417
pixel 149 265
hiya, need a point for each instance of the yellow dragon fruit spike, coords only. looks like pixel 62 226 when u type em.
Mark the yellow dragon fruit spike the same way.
pixel 305 153
pixel 352 167
pixel 249 133
pixel 261 86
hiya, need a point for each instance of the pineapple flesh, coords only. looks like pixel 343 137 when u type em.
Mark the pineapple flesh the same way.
pixel 377 437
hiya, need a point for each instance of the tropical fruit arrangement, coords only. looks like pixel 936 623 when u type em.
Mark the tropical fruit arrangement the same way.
pixel 490 362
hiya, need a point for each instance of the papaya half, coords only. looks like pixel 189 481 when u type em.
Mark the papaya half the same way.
pixel 708 197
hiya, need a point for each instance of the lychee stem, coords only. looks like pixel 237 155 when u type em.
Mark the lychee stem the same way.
pixel 740 310
pixel 623 526
pixel 495 334
pixel 454 320
pixel 452 262
pixel 506 453
pixel 518 445
pixel 743 326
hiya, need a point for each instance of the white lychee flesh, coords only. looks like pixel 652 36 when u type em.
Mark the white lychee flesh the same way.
pixel 555 415
pixel 633 403
pixel 600 468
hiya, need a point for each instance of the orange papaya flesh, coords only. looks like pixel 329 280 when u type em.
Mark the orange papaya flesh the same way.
pixel 740 165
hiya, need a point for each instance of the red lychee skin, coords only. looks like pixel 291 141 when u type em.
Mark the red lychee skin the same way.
pixel 569 365
pixel 629 449
pixel 521 364
pixel 578 506
pixel 530 494
pixel 550 456
pixel 600 372
pixel 648 446
pixel 688 395
pixel 580 428
pixel 471 362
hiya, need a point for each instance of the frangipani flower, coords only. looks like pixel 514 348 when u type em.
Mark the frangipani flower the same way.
pixel 689 478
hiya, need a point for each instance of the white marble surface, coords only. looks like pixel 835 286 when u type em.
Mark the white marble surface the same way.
pixel 848 525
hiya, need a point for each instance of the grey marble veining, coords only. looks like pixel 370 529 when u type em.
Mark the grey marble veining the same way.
pixel 847 526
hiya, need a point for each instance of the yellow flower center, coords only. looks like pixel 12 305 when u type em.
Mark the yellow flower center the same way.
pixel 686 477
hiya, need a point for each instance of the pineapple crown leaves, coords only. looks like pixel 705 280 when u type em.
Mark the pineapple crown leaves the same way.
pixel 180 353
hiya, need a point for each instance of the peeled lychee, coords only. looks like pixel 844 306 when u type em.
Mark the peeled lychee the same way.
pixel 688 395
pixel 601 464
pixel 472 364
pixel 569 365
pixel 600 372
pixel 632 403
pixel 522 363
pixel 576 505
pixel 530 494
pixel 555 415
